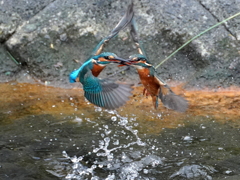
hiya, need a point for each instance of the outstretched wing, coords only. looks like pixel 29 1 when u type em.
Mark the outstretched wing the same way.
pixel 171 100
pixel 167 96
pixel 106 93
pixel 134 34
pixel 126 19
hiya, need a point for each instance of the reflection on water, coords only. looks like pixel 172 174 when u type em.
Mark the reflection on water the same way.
pixel 52 133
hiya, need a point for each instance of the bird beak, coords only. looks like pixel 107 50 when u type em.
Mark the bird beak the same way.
pixel 120 61
pixel 124 62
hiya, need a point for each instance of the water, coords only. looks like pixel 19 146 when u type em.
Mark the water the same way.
pixel 49 133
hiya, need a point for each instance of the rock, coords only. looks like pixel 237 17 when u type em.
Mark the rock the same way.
pixel 205 61
pixel 8 25
pixel 8 66
pixel 25 9
pixel 65 32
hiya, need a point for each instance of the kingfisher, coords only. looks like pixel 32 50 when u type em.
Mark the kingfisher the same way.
pixel 104 93
pixel 153 84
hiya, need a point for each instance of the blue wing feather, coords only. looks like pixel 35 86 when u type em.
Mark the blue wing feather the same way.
pixel 105 92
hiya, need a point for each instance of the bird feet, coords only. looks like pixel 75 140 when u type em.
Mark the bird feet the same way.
pixel 145 92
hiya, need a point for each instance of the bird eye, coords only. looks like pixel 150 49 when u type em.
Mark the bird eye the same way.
pixel 106 57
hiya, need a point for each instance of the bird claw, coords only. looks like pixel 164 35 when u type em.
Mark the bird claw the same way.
pixel 145 92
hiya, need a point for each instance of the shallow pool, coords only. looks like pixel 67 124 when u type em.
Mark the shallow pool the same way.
pixel 53 133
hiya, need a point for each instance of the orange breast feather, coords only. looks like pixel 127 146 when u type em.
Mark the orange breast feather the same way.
pixel 97 69
pixel 149 82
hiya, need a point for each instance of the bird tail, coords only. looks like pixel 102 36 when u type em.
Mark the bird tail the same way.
pixel 171 100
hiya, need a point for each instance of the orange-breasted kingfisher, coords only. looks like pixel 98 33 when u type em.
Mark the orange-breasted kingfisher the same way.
pixel 154 85
pixel 104 93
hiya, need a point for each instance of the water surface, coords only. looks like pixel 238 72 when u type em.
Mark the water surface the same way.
pixel 53 133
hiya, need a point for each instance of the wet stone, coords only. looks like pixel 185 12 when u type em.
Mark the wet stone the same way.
pixel 30 28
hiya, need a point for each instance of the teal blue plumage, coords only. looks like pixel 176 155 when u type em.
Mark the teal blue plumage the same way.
pixel 104 93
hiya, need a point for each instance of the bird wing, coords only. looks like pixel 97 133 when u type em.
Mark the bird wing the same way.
pixel 173 101
pixel 106 93
pixel 135 37
pixel 126 19
pixel 167 96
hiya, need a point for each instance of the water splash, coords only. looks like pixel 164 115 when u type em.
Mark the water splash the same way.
pixel 194 171
pixel 120 153
pixel 79 170
pixel 125 125
pixel 114 153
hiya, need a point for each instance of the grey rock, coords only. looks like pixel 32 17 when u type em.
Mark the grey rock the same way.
pixel 26 9
pixel 9 68
pixel 230 178
pixel 63 37
pixel 8 25
pixel 65 31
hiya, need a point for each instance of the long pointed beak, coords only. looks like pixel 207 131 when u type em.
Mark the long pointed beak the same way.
pixel 124 62
pixel 120 60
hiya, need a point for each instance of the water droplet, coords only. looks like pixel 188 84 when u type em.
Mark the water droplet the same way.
pixel 77 119
pixel 74 159
pixel 107 132
pixel 64 153
pixel 187 138
pixel 113 118
pixel 105 126
pixel 135 132
pixel 145 171
pixel 98 109
pixel 116 142
pixel 228 172
pixel 109 165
